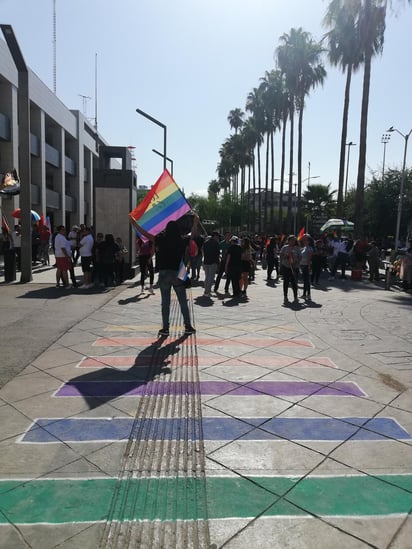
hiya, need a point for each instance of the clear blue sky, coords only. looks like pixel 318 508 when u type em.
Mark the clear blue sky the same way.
pixel 187 63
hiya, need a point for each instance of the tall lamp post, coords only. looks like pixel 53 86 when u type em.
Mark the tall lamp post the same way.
pixel 385 140
pixel 349 145
pixel 167 158
pixel 164 132
pixel 398 219
pixel 309 177
pixel 23 112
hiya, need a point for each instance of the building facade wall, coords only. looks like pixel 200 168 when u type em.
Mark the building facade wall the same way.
pixel 63 150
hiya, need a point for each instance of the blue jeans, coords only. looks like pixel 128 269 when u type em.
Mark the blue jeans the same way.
pixel 167 280
pixel 210 271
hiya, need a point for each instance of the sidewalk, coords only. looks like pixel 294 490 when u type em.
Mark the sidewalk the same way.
pixel 271 427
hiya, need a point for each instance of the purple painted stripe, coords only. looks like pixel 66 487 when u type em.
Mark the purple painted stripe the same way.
pixel 256 388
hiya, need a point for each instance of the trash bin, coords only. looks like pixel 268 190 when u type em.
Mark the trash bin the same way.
pixel 9 266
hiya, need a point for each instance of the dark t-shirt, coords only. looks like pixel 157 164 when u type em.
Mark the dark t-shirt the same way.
pixel 235 253
pixel 170 252
pixel 211 252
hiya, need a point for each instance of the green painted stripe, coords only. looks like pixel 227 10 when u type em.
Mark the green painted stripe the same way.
pixel 63 501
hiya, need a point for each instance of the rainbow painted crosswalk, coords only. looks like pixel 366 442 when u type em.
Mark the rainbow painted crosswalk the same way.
pixel 188 421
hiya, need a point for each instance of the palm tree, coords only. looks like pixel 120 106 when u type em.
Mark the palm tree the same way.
pixel 312 74
pixel 235 119
pixel 272 89
pixel 214 188
pixel 287 59
pixel 252 137
pixel 319 200
pixel 344 51
pixel 371 29
pixel 254 105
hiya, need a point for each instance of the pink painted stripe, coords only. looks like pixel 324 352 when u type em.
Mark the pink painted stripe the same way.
pixel 141 361
pixel 254 342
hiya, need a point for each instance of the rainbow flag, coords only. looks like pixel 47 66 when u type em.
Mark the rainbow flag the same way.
pixel 163 203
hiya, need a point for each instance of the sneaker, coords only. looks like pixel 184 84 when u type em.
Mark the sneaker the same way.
pixel 163 332
pixel 84 287
pixel 189 330
pixel 151 290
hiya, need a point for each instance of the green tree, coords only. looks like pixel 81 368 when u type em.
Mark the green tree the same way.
pixel 319 202
pixel 381 204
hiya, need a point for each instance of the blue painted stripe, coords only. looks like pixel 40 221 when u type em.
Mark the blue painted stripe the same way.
pixel 99 429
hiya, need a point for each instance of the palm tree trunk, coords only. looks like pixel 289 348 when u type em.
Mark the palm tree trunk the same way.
pixel 289 213
pixel 282 173
pixel 360 186
pixel 300 134
pixel 253 220
pixel 339 205
pixel 272 182
pixel 260 193
pixel 265 212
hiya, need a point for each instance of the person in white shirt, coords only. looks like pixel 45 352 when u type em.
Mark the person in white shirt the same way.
pixel 86 254
pixel 62 253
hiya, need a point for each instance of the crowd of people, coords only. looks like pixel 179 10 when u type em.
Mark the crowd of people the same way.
pixel 101 257
pixel 293 259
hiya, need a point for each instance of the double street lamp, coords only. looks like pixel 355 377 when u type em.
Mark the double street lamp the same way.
pixel 164 132
pixel 167 158
pixel 398 219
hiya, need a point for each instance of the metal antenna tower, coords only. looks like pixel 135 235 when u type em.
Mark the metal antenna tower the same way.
pixel 54 48
pixel 85 99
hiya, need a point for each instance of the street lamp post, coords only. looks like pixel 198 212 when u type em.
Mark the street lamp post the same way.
pixel 309 177
pixel 167 158
pixel 385 140
pixel 349 145
pixel 398 219
pixel 164 132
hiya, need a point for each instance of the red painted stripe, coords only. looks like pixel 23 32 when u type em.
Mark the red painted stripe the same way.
pixel 255 342
pixel 129 361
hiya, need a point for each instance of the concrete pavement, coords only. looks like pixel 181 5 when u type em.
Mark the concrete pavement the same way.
pixel 272 427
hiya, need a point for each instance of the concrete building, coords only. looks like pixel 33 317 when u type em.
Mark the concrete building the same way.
pixel 75 176
pixel 63 149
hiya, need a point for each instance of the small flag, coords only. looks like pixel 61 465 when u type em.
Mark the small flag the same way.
pixel 301 233
pixel 163 203
pixel 182 273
